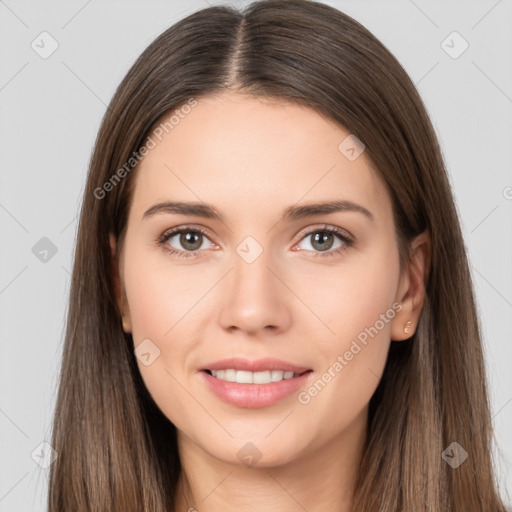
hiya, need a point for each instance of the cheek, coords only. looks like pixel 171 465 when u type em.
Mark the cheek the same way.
pixel 167 309
pixel 161 294
pixel 161 305
pixel 351 296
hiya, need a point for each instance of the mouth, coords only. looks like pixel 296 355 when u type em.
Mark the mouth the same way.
pixel 248 377
pixel 254 383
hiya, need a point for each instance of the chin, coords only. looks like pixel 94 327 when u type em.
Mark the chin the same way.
pixel 256 450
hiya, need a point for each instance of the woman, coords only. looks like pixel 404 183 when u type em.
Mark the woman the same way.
pixel 270 288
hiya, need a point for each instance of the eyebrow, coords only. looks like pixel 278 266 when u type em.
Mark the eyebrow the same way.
pixel 291 213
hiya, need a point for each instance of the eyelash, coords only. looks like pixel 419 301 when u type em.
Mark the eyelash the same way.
pixel 164 238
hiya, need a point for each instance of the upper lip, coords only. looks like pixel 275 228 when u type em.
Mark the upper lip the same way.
pixel 238 363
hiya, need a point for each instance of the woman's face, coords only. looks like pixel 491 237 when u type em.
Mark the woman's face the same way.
pixel 264 280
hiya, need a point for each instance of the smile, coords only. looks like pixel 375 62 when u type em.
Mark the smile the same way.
pixel 254 390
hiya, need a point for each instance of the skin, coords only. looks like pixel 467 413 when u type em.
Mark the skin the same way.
pixel 252 158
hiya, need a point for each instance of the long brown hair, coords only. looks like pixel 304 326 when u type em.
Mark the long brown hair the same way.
pixel 117 451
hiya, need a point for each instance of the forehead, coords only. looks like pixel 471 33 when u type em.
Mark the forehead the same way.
pixel 250 154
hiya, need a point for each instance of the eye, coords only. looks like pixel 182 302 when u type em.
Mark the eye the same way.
pixel 190 239
pixel 323 240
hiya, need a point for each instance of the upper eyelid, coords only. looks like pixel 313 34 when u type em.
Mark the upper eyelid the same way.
pixel 327 227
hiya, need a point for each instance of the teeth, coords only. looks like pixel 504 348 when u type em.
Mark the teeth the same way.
pixel 245 377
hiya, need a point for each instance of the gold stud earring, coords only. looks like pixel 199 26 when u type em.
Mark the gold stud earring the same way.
pixel 125 328
pixel 407 326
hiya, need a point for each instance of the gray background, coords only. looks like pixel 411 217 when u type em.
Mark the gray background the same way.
pixel 50 113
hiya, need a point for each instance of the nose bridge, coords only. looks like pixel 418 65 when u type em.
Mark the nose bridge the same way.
pixel 252 296
pixel 251 268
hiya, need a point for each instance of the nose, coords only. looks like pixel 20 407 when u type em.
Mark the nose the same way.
pixel 255 299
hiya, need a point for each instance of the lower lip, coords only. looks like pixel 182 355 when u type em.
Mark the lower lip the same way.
pixel 254 396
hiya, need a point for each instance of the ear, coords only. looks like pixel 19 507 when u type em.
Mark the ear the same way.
pixel 121 299
pixel 411 290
